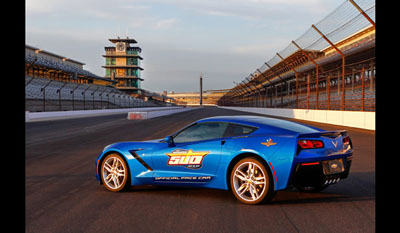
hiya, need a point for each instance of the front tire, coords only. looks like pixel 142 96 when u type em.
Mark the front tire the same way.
pixel 251 182
pixel 115 173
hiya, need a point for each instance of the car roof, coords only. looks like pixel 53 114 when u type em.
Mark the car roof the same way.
pixel 265 124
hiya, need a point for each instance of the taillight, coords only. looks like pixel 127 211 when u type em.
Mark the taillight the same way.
pixel 346 141
pixel 310 144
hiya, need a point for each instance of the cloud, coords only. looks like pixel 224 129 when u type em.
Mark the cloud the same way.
pixel 166 23
pixel 252 49
pixel 254 9
pixel 219 13
pixel 267 48
pixel 39 7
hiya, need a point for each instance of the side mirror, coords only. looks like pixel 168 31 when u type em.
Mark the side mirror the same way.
pixel 169 140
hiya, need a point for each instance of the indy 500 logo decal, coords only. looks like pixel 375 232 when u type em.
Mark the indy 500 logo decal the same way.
pixel 186 158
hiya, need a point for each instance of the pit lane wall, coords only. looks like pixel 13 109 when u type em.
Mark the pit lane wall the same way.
pixel 363 120
pixel 150 113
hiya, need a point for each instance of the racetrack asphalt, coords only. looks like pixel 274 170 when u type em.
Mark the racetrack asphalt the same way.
pixel 62 194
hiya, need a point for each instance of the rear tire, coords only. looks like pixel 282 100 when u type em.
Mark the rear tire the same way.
pixel 251 182
pixel 115 173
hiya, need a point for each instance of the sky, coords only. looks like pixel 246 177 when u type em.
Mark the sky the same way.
pixel 223 40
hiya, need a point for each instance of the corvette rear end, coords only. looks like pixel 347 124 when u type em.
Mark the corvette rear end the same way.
pixel 321 159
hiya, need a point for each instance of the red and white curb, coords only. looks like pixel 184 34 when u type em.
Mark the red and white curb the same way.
pixel 141 115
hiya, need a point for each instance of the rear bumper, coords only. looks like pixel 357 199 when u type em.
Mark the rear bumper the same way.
pixel 311 173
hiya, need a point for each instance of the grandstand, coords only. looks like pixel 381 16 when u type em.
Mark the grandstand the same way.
pixel 42 63
pixel 331 66
pixel 209 97
pixel 57 83
pixel 42 94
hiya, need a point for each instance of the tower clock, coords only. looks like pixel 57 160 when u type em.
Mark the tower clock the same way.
pixel 120 46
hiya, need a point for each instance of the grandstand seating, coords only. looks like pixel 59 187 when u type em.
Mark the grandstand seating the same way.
pixel 353 99
pixel 38 60
pixel 43 94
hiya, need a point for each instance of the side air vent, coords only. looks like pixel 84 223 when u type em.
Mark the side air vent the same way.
pixel 140 160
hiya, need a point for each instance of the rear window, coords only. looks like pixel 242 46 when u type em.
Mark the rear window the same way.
pixel 288 125
pixel 237 130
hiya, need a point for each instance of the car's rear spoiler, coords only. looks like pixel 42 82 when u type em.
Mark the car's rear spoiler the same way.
pixel 331 134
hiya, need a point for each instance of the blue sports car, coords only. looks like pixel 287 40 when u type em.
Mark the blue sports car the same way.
pixel 253 156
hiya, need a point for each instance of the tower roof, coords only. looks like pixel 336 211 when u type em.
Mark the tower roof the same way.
pixel 126 40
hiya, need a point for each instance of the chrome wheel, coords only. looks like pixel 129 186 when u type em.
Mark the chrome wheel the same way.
pixel 114 173
pixel 249 181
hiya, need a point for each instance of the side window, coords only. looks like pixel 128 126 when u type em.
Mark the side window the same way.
pixel 202 131
pixel 237 130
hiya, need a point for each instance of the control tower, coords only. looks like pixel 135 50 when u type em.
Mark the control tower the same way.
pixel 123 65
